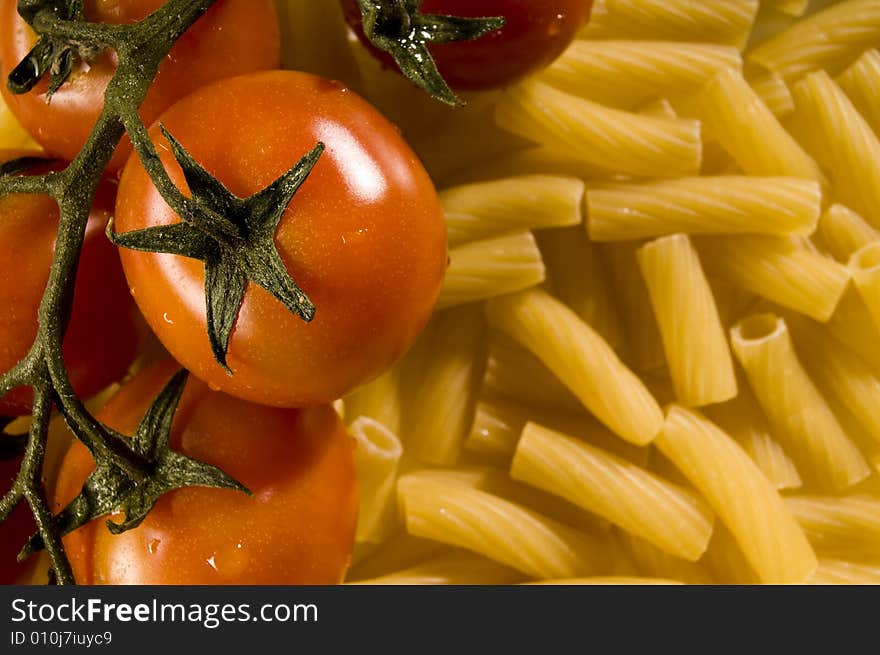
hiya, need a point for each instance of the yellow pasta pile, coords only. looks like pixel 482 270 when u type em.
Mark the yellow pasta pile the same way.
pixel 657 357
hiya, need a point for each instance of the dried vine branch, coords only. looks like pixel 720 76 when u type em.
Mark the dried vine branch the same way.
pixel 140 47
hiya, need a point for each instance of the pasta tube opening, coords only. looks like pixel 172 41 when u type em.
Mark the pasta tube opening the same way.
pixel 758 328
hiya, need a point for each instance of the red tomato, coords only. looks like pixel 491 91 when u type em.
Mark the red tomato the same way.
pixel 15 530
pixel 234 37
pixel 535 33
pixel 297 528
pixel 102 337
pixel 364 237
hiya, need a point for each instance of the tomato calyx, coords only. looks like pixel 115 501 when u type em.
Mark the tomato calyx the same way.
pixel 111 490
pixel 234 237
pixel 51 54
pixel 401 30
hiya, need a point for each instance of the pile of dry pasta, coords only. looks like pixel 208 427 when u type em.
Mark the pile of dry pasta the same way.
pixel 657 356
pixel 657 353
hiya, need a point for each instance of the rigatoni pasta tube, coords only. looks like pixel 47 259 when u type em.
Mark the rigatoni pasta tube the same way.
pixel 687 105
pixel 498 482
pixel 664 514
pixel 328 56
pixel 503 531
pixel 779 270
pixel 741 496
pixel 865 267
pixel 833 130
pixel 581 359
pixel 498 425
pixel 542 159
pixel 644 345
pixel 439 413
pixel 616 140
pixel 485 209
pixel 843 232
pixel 627 73
pixel 704 205
pixel 377 456
pixel 726 22
pixel 399 551
pixel 726 560
pixel 842 373
pixel 861 82
pixel 651 561
pixel 661 108
pixel 743 420
pixel 733 301
pixel 699 359
pixel 796 410
pixel 514 373
pixel 828 39
pixel 838 572
pixel 452 144
pixel 491 267
pixel 577 274
pixel 609 580
pixel 455 568
pixel 789 7
pixel 750 132
pixel 853 327
pixel 380 399
pixel 846 527
pixel 772 90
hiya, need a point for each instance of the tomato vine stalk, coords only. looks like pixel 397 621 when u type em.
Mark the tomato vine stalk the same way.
pixel 140 47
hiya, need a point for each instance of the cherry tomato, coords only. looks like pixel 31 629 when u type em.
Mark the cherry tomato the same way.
pixel 297 528
pixel 15 530
pixel 535 33
pixel 234 37
pixel 102 336
pixel 364 237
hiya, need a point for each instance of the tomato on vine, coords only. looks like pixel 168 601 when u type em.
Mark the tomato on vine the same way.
pixel 102 336
pixel 234 37
pixel 296 528
pixel 364 238
pixel 535 32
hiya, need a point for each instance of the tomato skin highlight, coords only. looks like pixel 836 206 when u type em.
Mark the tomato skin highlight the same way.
pixel 364 237
pixel 232 38
pixel 102 337
pixel 297 528
pixel 536 32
